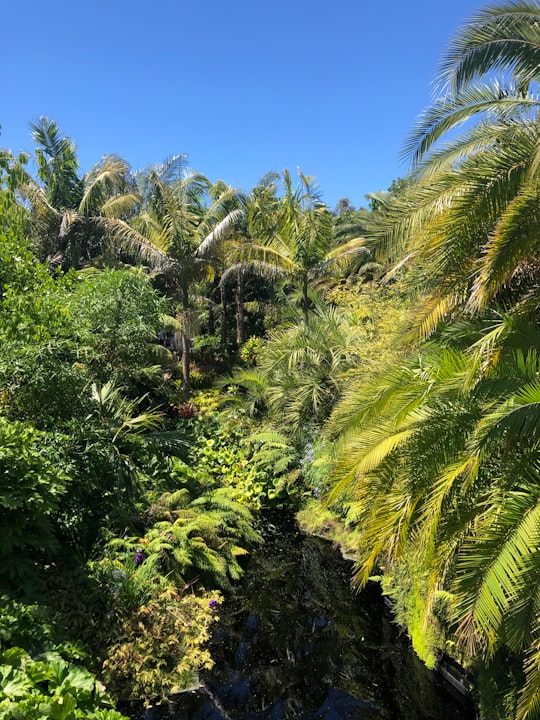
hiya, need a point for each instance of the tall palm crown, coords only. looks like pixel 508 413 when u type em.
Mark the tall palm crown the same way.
pixel 77 218
pixel 298 236
pixel 469 213
pixel 172 211
pixel 182 214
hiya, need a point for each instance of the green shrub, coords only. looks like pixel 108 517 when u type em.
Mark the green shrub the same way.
pixel 32 485
pixel 186 539
pixel 50 687
pixel 251 350
pixel 41 678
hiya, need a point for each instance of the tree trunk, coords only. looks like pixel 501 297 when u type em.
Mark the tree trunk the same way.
pixel 240 315
pixel 186 343
pixel 211 321
pixel 223 315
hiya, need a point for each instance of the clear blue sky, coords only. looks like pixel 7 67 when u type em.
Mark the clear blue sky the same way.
pixel 242 86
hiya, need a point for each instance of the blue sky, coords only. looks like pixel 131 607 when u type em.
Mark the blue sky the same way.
pixel 243 87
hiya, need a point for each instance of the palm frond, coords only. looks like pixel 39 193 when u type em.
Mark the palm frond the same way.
pixel 220 231
pixel 453 110
pixel 503 37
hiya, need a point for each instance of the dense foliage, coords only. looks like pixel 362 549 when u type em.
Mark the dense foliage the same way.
pixel 375 370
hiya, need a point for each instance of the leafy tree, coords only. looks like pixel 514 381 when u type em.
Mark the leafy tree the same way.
pixel 58 340
pixel 58 337
pixel 116 316
pixel 17 268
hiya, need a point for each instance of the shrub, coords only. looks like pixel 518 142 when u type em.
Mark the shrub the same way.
pixel 161 647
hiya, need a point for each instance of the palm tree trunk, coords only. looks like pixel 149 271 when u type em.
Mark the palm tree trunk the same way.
pixel 186 343
pixel 240 315
pixel 223 315
pixel 211 320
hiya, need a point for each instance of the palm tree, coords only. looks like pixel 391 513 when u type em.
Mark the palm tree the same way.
pixel 437 461
pixel 178 215
pixel 291 235
pixel 301 370
pixel 218 247
pixel 469 211
pixel 76 218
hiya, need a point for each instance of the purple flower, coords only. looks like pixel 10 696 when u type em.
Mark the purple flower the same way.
pixel 139 557
pixel 213 604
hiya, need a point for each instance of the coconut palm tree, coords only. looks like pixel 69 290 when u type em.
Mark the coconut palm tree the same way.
pixel 76 218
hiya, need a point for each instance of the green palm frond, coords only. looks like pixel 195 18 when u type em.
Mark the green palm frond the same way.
pixel 489 134
pixel 529 700
pixel 469 223
pixel 105 181
pixel 221 231
pixel 517 418
pixel 301 367
pixel 266 256
pixel 257 267
pixel 353 252
pixel 252 385
pixel 493 564
pixel 136 243
pixel 515 239
pixel 435 310
pixel 119 206
pixel 37 197
pixel 503 37
pixel 451 111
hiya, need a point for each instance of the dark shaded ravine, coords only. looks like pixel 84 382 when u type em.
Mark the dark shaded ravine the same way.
pixel 293 642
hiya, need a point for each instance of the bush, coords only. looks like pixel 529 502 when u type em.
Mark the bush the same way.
pixel 161 647
pixel 40 678
pixel 32 484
